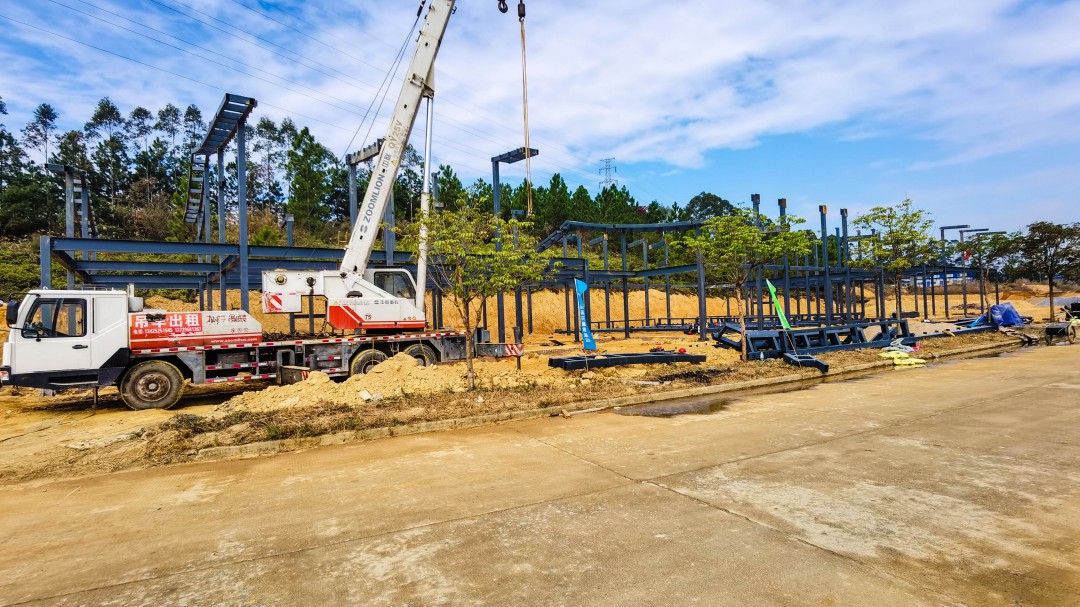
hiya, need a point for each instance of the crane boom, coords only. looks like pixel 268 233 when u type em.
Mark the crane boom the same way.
pixel 418 83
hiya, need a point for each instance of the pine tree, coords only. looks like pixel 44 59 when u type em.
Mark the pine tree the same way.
pixel 38 132
pixel 309 186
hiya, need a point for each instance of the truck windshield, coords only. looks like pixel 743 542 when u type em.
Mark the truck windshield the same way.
pixel 56 318
pixel 395 284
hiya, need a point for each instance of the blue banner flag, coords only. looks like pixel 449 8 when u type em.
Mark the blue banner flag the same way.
pixel 586 334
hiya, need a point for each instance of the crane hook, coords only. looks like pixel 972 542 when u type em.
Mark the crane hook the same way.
pixel 502 6
pixel 521 10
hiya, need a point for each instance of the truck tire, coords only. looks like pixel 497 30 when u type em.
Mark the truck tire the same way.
pixel 364 361
pixel 423 354
pixel 151 384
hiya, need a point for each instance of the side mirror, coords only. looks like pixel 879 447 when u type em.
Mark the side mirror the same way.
pixel 12 313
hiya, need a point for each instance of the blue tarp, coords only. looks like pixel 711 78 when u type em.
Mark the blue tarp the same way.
pixel 1004 315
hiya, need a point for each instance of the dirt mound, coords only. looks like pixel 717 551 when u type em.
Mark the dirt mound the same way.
pixel 397 377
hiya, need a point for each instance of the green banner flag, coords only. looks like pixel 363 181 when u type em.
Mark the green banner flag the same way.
pixel 776 304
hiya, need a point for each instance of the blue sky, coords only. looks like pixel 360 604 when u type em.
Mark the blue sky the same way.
pixel 971 108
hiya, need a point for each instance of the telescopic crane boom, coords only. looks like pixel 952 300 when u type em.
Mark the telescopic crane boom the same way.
pixel 359 297
pixel 419 83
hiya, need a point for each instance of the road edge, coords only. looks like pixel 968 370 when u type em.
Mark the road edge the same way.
pixel 294 444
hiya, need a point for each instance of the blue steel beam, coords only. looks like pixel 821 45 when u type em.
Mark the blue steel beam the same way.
pixel 631 227
pixel 142 246
pixel 145 266
pixel 147 281
pixel 688 269
pixel 71 266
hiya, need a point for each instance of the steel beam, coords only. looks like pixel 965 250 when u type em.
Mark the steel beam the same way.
pixel 141 246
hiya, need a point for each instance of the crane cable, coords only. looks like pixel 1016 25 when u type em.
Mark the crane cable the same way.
pixel 525 110
pixel 524 100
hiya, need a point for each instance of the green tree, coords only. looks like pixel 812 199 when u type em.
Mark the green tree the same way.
pixel 111 160
pixel 39 131
pixel 309 186
pixel 1049 249
pixel 269 146
pixel 732 249
pixel 168 123
pixel 658 213
pixel 71 150
pixel 584 208
pixel 193 127
pixel 267 235
pixel 479 196
pixel 903 241
pixel 555 208
pixel 109 155
pixel 12 157
pixel 449 188
pixel 138 129
pixel 616 205
pixel 24 194
pixel 989 251
pixel 476 255
pixel 704 206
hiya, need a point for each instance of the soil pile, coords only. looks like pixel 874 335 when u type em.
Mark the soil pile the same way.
pixel 396 377
pixel 401 377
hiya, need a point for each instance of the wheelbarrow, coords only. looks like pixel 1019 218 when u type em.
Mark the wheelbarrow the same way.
pixel 1065 331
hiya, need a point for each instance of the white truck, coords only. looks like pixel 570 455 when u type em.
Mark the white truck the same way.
pixel 84 338
pixel 63 339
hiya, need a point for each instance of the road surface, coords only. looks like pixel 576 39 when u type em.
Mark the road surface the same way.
pixel 952 485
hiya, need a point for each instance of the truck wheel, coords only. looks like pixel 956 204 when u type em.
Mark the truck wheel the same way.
pixel 152 384
pixel 424 355
pixel 364 361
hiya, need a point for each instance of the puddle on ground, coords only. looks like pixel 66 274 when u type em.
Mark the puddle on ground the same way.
pixel 671 408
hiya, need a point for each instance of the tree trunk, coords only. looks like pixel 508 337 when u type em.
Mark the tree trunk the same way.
pixel 899 295
pixel 742 318
pixel 983 291
pixel 1053 313
pixel 469 354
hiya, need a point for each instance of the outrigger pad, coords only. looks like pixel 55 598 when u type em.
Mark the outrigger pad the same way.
pixel 805 360
pixel 596 361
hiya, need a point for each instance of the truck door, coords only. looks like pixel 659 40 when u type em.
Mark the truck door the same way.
pixel 54 337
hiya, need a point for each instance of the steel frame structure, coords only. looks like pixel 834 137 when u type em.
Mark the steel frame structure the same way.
pixel 825 275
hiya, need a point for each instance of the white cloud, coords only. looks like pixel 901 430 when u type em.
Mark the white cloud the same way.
pixel 638 80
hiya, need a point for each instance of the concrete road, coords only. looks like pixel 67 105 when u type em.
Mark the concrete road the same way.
pixel 952 485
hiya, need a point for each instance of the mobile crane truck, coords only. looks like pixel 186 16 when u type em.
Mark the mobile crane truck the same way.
pixel 64 339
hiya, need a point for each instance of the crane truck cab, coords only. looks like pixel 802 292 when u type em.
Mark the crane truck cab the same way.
pixel 64 339
pixel 94 338
pixel 382 300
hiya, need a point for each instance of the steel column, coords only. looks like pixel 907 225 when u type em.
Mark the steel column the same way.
pixel 496 203
pixel 823 209
pixel 625 289
pixel 702 314
pixel 782 203
pixel 755 200
pixel 845 261
pixel 241 199
pixel 69 222
pixel 45 252
pixel 566 290
pixel 223 290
